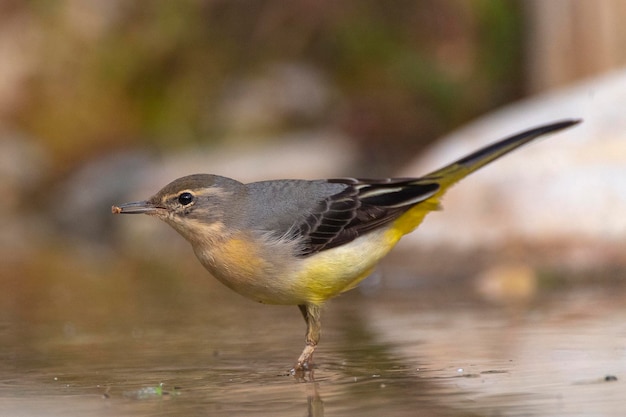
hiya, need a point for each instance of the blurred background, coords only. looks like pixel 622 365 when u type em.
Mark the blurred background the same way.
pixel 105 101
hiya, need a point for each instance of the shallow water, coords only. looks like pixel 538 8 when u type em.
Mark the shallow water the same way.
pixel 427 352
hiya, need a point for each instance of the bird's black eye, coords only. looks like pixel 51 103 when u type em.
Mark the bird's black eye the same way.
pixel 185 198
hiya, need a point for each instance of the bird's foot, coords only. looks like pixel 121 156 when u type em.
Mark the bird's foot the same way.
pixel 303 372
pixel 304 365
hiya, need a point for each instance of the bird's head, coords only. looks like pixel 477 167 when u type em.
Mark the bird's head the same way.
pixel 196 206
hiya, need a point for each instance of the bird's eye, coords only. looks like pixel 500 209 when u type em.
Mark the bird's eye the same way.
pixel 185 198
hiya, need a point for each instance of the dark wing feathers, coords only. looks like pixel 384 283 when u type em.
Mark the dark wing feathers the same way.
pixel 329 220
pixel 361 207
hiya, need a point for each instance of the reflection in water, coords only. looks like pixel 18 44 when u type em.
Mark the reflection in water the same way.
pixel 183 351
pixel 316 405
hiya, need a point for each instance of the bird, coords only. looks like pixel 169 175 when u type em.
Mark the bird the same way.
pixel 302 242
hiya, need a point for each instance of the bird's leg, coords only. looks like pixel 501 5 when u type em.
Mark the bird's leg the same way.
pixel 311 314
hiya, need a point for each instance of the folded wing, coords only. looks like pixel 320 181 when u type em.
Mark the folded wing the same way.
pixel 363 206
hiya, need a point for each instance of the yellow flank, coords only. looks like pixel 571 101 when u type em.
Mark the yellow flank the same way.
pixel 412 218
pixel 326 278
pixel 445 177
pixel 340 269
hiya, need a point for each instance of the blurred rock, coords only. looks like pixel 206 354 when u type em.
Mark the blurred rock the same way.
pixel 568 190
pixel 81 205
pixel 23 167
pixel 507 283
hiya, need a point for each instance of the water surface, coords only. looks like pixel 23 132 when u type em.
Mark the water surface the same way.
pixel 190 348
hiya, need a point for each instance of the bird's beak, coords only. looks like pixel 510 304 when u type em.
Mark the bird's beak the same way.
pixel 139 207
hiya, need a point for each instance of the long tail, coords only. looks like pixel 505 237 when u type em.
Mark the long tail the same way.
pixel 450 174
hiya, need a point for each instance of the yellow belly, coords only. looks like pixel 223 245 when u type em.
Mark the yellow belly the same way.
pixel 339 269
pixel 336 270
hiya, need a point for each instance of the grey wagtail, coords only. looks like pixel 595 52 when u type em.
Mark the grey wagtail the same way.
pixel 299 242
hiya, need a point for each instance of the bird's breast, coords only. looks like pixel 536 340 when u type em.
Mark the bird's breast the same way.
pixel 254 267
